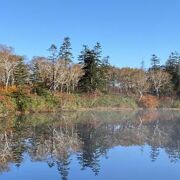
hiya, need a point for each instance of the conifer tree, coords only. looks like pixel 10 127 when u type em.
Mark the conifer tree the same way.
pixel 35 78
pixel 65 51
pixel 53 59
pixel 173 67
pixel 155 62
pixel 20 72
pixel 94 68
pixel 104 72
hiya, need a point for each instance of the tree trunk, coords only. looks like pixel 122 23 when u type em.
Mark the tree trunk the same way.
pixel 157 92
pixel 61 88
pixel 67 88
pixel 141 95
pixel 7 81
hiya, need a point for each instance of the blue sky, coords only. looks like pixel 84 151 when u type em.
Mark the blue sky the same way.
pixel 129 30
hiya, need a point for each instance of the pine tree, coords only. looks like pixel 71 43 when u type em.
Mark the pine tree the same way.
pixel 104 72
pixel 173 67
pixel 155 62
pixel 65 51
pixel 20 73
pixel 93 67
pixel 53 59
pixel 35 77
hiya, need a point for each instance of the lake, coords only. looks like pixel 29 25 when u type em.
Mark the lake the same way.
pixel 91 145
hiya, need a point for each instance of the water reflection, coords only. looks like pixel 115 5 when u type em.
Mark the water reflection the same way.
pixel 89 136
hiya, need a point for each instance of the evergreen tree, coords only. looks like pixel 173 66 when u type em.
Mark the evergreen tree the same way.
pixel 173 67
pixel 53 59
pixel 20 72
pixel 155 62
pixel 65 51
pixel 35 78
pixel 105 72
pixel 93 67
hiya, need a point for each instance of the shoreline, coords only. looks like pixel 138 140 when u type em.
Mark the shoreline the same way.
pixel 95 109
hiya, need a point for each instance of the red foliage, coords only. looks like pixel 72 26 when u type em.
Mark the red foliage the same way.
pixel 2 98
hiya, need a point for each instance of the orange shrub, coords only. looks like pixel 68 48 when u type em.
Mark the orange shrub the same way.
pixel 9 90
pixel 149 101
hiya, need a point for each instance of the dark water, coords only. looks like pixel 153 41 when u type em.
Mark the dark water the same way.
pixel 91 145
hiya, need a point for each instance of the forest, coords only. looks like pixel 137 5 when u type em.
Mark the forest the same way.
pixel 60 81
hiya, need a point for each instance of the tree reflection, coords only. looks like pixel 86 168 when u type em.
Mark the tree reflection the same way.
pixel 54 138
pixel 63 167
pixel 154 153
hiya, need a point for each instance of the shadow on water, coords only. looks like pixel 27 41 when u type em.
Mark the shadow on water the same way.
pixel 54 138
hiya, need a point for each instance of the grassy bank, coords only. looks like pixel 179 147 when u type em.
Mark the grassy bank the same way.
pixel 13 103
pixel 50 103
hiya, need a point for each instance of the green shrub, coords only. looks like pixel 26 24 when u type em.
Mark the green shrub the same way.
pixel 40 91
pixel 21 99
pixel 176 104
pixel 44 103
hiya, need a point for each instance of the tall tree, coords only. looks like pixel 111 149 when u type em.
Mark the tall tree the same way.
pixel 93 78
pixel 105 72
pixel 36 80
pixel 20 72
pixel 159 79
pixel 8 62
pixel 139 81
pixel 173 67
pixel 53 59
pixel 40 71
pixel 35 76
pixel 155 62
pixel 65 51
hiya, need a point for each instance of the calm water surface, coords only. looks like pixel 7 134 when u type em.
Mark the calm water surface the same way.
pixel 91 145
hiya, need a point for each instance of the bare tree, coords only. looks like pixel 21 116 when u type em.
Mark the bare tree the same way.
pixel 140 83
pixel 75 74
pixel 8 62
pixel 159 79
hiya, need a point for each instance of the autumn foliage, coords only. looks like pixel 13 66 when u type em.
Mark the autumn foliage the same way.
pixel 149 101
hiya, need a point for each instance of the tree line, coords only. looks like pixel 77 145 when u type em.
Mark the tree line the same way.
pixel 92 73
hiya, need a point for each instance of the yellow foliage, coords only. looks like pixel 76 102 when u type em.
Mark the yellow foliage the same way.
pixel 9 90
